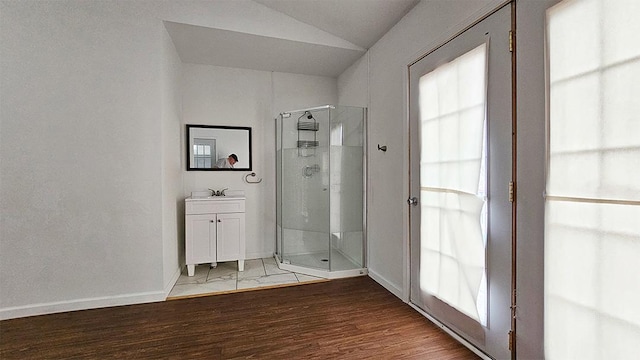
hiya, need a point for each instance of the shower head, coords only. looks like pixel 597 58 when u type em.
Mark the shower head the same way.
pixel 308 115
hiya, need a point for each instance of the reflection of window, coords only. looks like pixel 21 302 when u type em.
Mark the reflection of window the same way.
pixel 204 153
pixel 592 227
pixel 453 183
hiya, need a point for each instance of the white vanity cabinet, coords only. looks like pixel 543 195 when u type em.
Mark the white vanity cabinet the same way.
pixel 214 231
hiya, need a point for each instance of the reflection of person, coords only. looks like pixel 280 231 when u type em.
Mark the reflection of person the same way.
pixel 227 163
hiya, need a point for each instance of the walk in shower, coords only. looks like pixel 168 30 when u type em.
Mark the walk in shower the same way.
pixel 320 181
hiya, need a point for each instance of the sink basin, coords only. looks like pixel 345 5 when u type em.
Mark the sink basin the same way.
pixel 206 195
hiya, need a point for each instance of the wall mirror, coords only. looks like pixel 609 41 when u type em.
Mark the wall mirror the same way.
pixel 218 148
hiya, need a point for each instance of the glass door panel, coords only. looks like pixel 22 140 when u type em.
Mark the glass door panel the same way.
pixel 347 187
pixel 460 151
pixel 305 189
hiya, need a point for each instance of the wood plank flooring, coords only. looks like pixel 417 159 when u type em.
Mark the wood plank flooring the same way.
pixel 341 319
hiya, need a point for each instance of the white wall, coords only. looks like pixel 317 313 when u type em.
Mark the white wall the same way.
pixel 81 156
pixel 353 84
pixel 172 199
pixel 214 95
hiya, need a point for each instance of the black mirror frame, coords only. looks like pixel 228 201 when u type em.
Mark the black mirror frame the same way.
pixel 188 132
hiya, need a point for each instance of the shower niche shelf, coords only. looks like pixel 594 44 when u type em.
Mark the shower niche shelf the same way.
pixel 305 144
pixel 304 141
pixel 308 126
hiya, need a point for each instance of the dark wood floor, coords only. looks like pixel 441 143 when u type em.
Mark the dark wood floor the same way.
pixel 341 319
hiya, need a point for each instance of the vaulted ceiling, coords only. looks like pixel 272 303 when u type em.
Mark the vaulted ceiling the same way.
pixel 313 37
pixel 361 22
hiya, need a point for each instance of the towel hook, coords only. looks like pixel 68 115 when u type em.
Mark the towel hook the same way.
pixel 382 148
pixel 246 179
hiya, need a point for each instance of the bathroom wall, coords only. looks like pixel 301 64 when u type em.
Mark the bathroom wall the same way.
pixel 353 84
pixel 214 95
pixel 90 146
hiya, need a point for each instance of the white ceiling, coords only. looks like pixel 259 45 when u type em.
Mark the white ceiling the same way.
pixel 202 45
pixel 320 37
pixel 361 22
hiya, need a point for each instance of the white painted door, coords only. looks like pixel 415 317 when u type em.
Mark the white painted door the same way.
pixel 461 162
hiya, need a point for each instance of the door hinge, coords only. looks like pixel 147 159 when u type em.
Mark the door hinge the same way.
pixel 512 191
pixel 510 339
pixel 510 40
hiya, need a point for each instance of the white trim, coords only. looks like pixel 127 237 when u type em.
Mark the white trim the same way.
pixel 80 304
pixel 387 285
pixel 458 338
pixel 174 279
pixel 406 189
pixel 320 273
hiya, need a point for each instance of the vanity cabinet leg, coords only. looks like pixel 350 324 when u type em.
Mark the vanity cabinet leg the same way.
pixel 214 265
pixel 240 265
pixel 191 269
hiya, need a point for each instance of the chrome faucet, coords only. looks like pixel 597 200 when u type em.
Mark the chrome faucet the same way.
pixel 218 192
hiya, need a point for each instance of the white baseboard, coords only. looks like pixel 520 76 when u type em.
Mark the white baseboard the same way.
pixel 386 284
pixel 80 304
pixel 174 279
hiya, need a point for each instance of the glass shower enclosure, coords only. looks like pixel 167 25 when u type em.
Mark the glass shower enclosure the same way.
pixel 320 191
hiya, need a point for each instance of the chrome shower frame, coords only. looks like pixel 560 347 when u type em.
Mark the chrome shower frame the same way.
pixel 328 274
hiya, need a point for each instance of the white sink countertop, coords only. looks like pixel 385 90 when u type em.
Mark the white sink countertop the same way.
pixel 229 195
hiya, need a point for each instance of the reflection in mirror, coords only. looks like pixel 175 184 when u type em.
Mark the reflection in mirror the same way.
pixel 211 148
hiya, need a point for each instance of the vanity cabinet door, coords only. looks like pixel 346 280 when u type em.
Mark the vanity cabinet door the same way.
pixel 230 233
pixel 200 234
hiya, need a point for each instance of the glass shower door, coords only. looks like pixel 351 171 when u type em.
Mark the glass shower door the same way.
pixel 304 189
pixel 347 187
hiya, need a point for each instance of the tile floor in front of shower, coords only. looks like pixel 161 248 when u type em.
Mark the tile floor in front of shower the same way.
pixel 258 273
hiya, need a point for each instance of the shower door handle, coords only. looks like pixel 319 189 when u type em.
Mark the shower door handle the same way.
pixel 412 201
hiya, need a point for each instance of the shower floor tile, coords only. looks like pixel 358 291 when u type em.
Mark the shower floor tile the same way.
pixel 317 260
pixel 226 278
